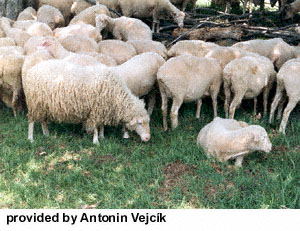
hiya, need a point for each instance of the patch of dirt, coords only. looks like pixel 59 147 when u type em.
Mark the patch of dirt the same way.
pixel 99 160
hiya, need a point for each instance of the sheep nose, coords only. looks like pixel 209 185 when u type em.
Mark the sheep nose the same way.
pixel 146 138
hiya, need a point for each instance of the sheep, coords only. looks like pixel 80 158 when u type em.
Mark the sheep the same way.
pixel 88 15
pixel 79 43
pixel 184 3
pixel 79 28
pixel 33 28
pixel 287 81
pixel 110 4
pixel 14 50
pixel 149 46
pixel 124 28
pixel 7 42
pixel 102 58
pixel 18 35
pixel 290 10
pixel 187 78
pixel 10 79
pixel 276 50
pixel 2 34
pixel 247 77
pixel 63 6
pixel 64 92
pixel 231 139
pixel 79 5
pixel 124 50
pixel 51 16
pixel 27 14
pixel 32 44
pixel 154 8
pixel 191 47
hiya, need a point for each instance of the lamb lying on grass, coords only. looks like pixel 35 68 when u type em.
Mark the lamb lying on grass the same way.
pixel 60 91
pixel 231 139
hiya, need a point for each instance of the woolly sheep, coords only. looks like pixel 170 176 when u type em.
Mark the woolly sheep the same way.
pixel 247 77
pixel 187 78
pixel 88 15
pixel 64 92
pixel 79 5
pixel 10 79
pixel 8 50
pixel 33 28
pixel 124 28
pixel 149 46
pixel 79 28
pixel 79 43
pixel 183 3
pixel 27 14
pixel 191 47
pixel 63 6
pixel 18 35
pixel 102 58
pixel 2 34
pixel 231 139
pixel 111 4
pixel 287 81
pixel 151 8
pixel 276 49
pixel 51 16
pixel 7 42
pixel 118 50
pixel 34 42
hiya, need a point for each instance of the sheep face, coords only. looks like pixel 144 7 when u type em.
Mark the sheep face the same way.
pixel 101 22
pixel 141 126
pixel 178 18
pixel 261 141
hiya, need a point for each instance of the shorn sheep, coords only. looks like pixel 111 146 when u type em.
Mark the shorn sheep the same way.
pixel 247 77
pixel 63 6
pixel 227 139
pixel 63 92
pixel 187 78
pixel 151 8
pixel 51 16
pixel 288 81
pixel 143 46
pixel 79 43
pixel 124 28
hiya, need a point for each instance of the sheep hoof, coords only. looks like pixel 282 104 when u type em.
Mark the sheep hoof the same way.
pixel 126 135
pixel 96 142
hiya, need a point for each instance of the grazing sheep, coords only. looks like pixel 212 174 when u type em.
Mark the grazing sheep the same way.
pixel 79 28
pixel 14 50
pixel 149 46
pixel 88 15
pixel 290 10
pixel 79 43
pixel 124 28
pixel 187 78
pixel 51 16
pixel 231 139
pixel 183 3
pixel 27 14
pixel 118 50
pixel 18 35
pixel 79 5
pixel 64 6
pixel 191 47
pixel 102 58
pixel 247 77
pixel 288 81
pixel 7 42
pixel 63 92
pixel 276 49
pixel 151 8
pixel 10 79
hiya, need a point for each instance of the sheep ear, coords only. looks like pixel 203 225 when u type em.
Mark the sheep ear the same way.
pixel 132 122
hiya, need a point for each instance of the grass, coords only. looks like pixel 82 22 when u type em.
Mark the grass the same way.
pixel 66 170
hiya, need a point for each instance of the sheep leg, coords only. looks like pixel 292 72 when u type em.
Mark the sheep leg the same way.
pixel 291 105
pixel 244 6
pixel 95 137
pixel 235 102
pixel 151 103
pixel 101 132
pixel 199 104
pixel 227 92
pixel 227 8
pixel 255 105
pixel 174 111
pixel 164 106
pixel 239 161
pixel 214 95
pixel 45 128
pixel 125 133
pixel 30 131
pixel 14 102
pixel 266 95
pixel 155 23
pixel 277 98
pixel 280 107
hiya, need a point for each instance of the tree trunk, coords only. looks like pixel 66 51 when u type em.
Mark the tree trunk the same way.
pixel 13 8
pixel 2 8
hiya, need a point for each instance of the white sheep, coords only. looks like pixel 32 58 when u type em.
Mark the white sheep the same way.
pixel 111 4
pixel 187 78
pixel 123 28
pixel 118 50
pixel 102 58
pixel 227 139
pixel 151 8
pixel 27 14
pixel 276 49
pixel 78 28
pixel 79 43
pixel 7 42
pixel 64 6
pixel 143 46
pixel 288 83
pixel 33 28
pixel 183 3
pixel 89 14
pixel 191 47
pixel 79 5
pixel 63 92
pixel 34 42
pixel 51 16
pixel 8 50
pixel 247 77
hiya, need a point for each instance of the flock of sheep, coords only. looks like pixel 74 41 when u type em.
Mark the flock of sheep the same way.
pixel 73 74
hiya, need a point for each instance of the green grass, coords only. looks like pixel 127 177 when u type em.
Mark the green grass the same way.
pixel 66 170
